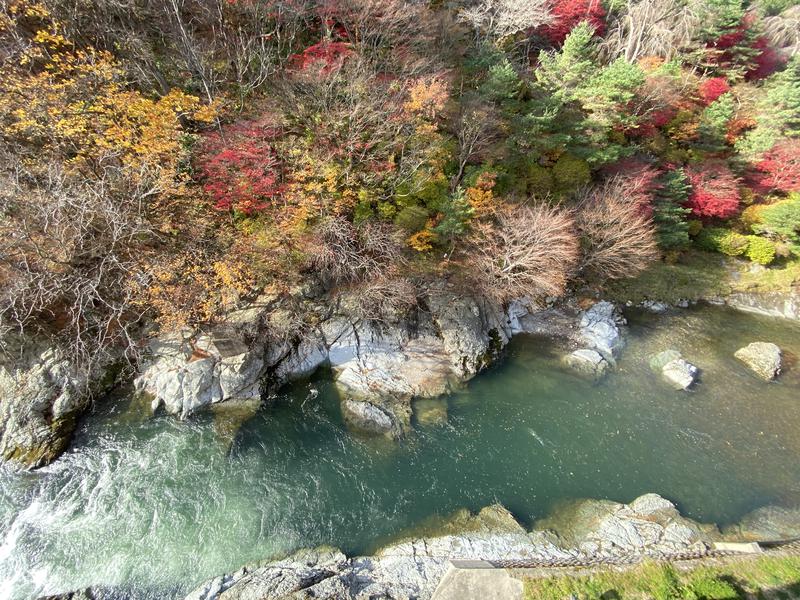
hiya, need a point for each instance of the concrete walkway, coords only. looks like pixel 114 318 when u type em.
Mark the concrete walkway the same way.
pixel 477 580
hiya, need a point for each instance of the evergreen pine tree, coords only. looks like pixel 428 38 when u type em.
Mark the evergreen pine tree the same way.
pixel 669 214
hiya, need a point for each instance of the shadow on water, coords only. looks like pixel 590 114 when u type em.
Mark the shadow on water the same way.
pixel 165 503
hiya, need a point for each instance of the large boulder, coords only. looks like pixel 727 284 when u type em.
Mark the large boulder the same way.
pixel 41 395
pixel 763 358
pixel 600 329
pixel 648 524
pixel 473 330
pixel 587 363
pixel 185 373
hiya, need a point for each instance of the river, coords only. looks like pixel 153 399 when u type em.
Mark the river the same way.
pixel 156 505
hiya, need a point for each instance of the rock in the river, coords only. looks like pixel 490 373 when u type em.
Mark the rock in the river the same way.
pixel 763 358
pixel 430 412
pixel 660 360
pixel 587 363
pixel 654 306
pixel 680 374
pixel 765 524
pixel 368 417
pixel 599 329
pixel 676 371
pixel 413 568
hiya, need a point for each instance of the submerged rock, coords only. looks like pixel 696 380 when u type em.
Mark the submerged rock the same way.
pixel 229 417
pixel 763 358
pixel 430 412
pixel 676 371
pixel 587 363
pixel 767 523
pixel 368 417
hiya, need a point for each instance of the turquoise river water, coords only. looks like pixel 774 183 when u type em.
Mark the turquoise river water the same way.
pixel 157 506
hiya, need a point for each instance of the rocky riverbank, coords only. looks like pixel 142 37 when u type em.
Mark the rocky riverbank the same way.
pixel 378 365
pixel 412 568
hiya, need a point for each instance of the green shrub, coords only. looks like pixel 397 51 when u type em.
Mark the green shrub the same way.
pixel 760 250
pixel 706 585
pixel 571 172
pixel 540 181
pixel 695 227
pixel 411 218
pixel 782 219
pixel 718 239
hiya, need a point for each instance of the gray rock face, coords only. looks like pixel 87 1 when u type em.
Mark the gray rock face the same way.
pixel 773 304
pixel 413 568
pixel 648 524
pixel 587 363
pixel 763 358
pixel 423 354
pixel 40 396
pixel 599 330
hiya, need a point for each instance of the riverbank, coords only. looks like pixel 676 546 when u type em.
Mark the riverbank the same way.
pixel 736 577
pixel 424 350
pixel 587 532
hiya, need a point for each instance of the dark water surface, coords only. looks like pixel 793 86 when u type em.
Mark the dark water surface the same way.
pixel 161 505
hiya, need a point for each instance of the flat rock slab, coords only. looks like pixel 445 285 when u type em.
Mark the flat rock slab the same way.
pixel 486 584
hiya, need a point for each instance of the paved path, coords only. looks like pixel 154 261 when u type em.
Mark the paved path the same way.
pixel 484 580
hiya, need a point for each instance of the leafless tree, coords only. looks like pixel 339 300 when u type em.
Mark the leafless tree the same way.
pixel 346 254
pixel 476 130
pixel 498 19
pixel 651 28
pixel 68 259
pixel 783 30
pixel 218 43
pixel 528 251
pixel 383 299
pixel 619 239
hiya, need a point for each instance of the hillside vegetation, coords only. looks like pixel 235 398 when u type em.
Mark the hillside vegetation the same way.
pixel 162 161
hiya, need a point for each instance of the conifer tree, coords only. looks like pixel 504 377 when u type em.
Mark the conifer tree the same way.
pixel 669 214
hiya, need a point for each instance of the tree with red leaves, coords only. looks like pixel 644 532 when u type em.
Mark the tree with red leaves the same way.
pixel 781 166
pixel 711 89
pixel 240 168
pixel 568 13
pixel 715 190
pixel 766 62
pixel 324 56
